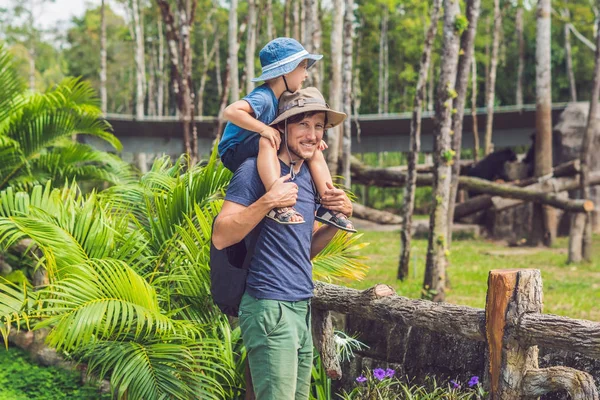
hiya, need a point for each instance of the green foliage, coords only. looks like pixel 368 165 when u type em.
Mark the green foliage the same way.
pixel 22 379
pixel 36 132
pixel 461 23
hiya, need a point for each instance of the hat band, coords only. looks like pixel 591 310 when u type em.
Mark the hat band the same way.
pixel 286 60
pixel 301 103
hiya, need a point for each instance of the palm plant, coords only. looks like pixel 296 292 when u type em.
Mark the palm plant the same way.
pixel 37 129
pixel 129 284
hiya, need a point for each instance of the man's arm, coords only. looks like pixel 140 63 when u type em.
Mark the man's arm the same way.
pixel 335 200
pixel 241 114
pixel 236 221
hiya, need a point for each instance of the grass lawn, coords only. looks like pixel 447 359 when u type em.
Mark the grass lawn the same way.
pixel 569 290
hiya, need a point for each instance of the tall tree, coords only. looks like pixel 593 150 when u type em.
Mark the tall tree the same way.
pixel 269 11
pixel 521 55
pixel 250 45
pixel 335 88
pixel 435 270
pixel 568 56
pixel 161 81
pixel 297 19
pixel 139 57
pixel 491 86
pixel 347 89
pixel 474 109
pixel 415 144
pixel 464 70
pixel 207 57
pixel 103 97
pixel 383 59
pixel 580 240
pixel 544 217
pixel 287 8
pixel 178 32
pixel 234 83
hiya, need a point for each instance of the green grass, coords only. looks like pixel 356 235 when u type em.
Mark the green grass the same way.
pixel 22 379
pixel 569 290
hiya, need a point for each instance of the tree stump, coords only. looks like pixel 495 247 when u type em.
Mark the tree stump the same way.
pixel 514 373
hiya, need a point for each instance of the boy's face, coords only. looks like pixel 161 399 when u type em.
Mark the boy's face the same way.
pixel 297 76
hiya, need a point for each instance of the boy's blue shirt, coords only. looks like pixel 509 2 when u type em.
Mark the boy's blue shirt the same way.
pixel 264 104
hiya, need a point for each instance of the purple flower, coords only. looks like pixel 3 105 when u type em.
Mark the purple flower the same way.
pixel 379 373
pixel 361 379
pixel 474 381
pixel 455 385
pixel 389 373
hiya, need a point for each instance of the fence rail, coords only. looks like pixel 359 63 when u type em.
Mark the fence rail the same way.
pixel 512 325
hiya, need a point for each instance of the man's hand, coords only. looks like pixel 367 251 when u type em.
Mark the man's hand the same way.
pixel 283 193
pixel 272 135
pixel 336 200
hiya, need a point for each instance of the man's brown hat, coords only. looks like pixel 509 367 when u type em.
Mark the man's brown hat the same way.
pixel 306 100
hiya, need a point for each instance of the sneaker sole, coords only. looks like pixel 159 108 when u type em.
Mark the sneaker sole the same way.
pixel 284 223
pixel 328 222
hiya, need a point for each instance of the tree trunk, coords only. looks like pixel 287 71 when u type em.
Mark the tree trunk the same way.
pixel 178 40
pixel 382 55
pixel 569 59
pixel 31 50
pixel 584 190
pixel 317 33
pixel 296 16
pixel 151 89
pixel 491 86
pixel 269 11
pixel 250 45
pixel 207 58
pixel 139 55
pixel 287 5
pixel 234 83
pixel 160 96
pixel 430 86
pixel 544 218
pixel 347 91
pixel 521 45
pixel 464 69
pixel 474 110
pixel 415 144
pixel 435 270
pixel 218 68
pixel 303 33
pixel 335 89
pixel 103 99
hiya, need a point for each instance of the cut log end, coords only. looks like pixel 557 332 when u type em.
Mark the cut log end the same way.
pixel 378 291
pixel 588 205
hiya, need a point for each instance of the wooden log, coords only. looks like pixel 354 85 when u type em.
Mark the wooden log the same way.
pixel 553 331
pixel 580 385
pixel 385 177
pixel 568 169
pixel 322 329
pixel 438 317
pixel 511 294
pixel 371 214
pixel 473 205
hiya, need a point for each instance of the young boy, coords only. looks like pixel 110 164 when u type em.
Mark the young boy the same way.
pixel 284 68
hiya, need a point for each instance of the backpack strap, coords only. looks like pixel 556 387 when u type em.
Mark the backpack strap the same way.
pixel 250 242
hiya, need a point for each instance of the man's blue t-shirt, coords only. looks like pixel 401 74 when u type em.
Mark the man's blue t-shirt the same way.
pixel 264 104
pixel 280 268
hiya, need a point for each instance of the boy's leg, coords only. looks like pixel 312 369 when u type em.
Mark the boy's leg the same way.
pixel 321 176
pixel 272 345
pixel 269 170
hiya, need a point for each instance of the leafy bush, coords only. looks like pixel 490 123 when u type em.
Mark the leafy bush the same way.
pixel 20 379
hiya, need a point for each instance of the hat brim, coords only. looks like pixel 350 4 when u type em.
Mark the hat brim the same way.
pixel 289 67
pixel 334 118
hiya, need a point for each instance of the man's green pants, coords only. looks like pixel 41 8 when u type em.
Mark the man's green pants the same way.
pixel 278 338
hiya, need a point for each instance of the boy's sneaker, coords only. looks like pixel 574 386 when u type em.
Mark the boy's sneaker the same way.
pixel 284 215
pixel 334 218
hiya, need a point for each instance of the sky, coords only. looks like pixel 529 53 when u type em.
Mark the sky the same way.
pixel 52 13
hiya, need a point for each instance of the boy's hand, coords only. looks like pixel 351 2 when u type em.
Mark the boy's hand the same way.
pixel 322 146
pixel 272 135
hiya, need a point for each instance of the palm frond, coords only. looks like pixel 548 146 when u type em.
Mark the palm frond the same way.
pixel 12 85
pixel 339 259
pixel 16 305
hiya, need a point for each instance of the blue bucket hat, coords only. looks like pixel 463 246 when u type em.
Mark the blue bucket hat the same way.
pixel 281 56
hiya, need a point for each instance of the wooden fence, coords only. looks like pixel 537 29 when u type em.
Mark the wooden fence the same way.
pixel 512 325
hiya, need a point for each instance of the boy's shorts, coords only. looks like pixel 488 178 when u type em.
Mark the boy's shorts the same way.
pixel 236 155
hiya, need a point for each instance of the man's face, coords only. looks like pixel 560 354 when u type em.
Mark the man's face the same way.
pixel 304 136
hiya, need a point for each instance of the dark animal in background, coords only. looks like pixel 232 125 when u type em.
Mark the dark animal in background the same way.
pixel 492 166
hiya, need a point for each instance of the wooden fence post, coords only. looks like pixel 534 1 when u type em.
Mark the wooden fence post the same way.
pixel 323 336
pixel 514 372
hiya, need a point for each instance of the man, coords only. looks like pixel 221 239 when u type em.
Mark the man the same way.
pixel 275 310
